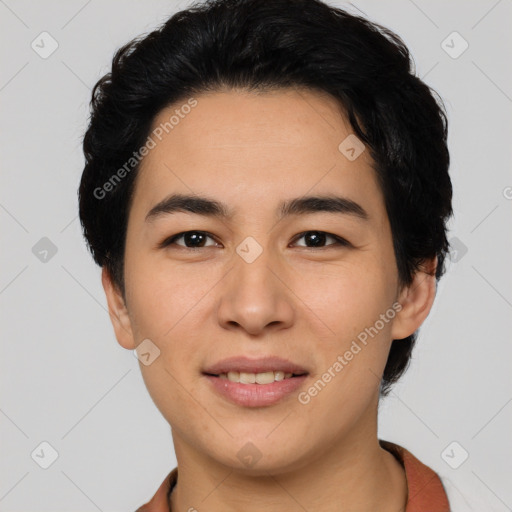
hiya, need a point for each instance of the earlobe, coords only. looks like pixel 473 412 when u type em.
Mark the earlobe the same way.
pixel 416 301
pixel 117 312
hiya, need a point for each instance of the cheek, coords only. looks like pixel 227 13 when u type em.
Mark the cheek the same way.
pixel 164 305
pixel 347 296
pixel 354 354
pixel 355 302
pixel 162 298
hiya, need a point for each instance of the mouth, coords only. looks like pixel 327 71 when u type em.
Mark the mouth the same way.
pixel 255 382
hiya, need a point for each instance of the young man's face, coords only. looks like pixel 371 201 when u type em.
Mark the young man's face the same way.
pixel 306 299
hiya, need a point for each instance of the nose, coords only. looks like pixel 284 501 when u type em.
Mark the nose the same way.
pixel 255 297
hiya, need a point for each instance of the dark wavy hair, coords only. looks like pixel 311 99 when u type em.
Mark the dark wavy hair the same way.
pixel 268 45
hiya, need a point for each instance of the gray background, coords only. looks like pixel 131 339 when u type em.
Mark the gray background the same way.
pixel 66 381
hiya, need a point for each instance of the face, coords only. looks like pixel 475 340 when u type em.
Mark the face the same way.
pixel 303 283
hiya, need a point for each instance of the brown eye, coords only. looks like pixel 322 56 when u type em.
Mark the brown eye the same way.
pixel 191 240
pixel 318 239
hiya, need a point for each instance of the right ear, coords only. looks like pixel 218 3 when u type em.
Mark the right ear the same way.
pixel 117 311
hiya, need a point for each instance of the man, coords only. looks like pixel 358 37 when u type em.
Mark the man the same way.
pixel 266 189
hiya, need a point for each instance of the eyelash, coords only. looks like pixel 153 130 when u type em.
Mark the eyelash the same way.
pixel 339 242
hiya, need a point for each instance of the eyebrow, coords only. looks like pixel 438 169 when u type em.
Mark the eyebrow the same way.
pixel 299 206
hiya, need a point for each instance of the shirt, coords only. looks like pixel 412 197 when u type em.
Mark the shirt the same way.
pixel 425 489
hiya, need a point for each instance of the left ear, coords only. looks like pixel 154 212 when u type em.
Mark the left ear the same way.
pixel 416 300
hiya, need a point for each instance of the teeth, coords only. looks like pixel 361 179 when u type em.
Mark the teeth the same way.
pixel 264 378
pixel 258 378
pixel 247 378
pixel 234 376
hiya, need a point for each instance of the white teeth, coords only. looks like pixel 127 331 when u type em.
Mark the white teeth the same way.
pixel 279 375
pixel 247 378
pixel 264 378
pixel 234 376
pixel 252 378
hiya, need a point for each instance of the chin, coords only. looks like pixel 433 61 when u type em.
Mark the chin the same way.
pixel 257 456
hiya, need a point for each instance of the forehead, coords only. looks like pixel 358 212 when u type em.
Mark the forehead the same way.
pixel 257 145
pixel 269 120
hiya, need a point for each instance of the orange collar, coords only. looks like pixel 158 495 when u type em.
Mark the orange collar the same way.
pixel 425 490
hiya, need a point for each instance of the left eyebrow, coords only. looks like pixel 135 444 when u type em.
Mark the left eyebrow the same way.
pixel 313 204
pixel 299 206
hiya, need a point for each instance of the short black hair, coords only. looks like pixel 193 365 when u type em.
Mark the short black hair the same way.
pixel 261 45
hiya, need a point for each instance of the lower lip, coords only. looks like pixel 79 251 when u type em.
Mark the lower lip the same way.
pixel 256 395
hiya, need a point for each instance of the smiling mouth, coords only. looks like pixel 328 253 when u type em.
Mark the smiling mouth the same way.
pixel 256 378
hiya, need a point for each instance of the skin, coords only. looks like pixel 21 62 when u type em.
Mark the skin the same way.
pixel 251 151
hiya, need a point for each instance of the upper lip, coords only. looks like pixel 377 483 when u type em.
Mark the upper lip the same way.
pixel 259 365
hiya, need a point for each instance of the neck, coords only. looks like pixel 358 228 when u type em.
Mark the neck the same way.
pixel 352 474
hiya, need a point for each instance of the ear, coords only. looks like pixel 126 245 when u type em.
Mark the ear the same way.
pixel 117 312
pixel 416 301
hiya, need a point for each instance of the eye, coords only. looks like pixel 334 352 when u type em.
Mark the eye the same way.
pixel 192 240
pixel 318 238
pixel 196 240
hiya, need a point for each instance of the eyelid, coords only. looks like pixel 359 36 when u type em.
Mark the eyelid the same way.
pixel 171 239
pixel 339 241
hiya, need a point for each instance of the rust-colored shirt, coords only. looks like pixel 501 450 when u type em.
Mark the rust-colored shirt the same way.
pixel 425 489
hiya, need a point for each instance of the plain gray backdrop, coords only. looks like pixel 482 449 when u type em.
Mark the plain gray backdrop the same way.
pixel 65 380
